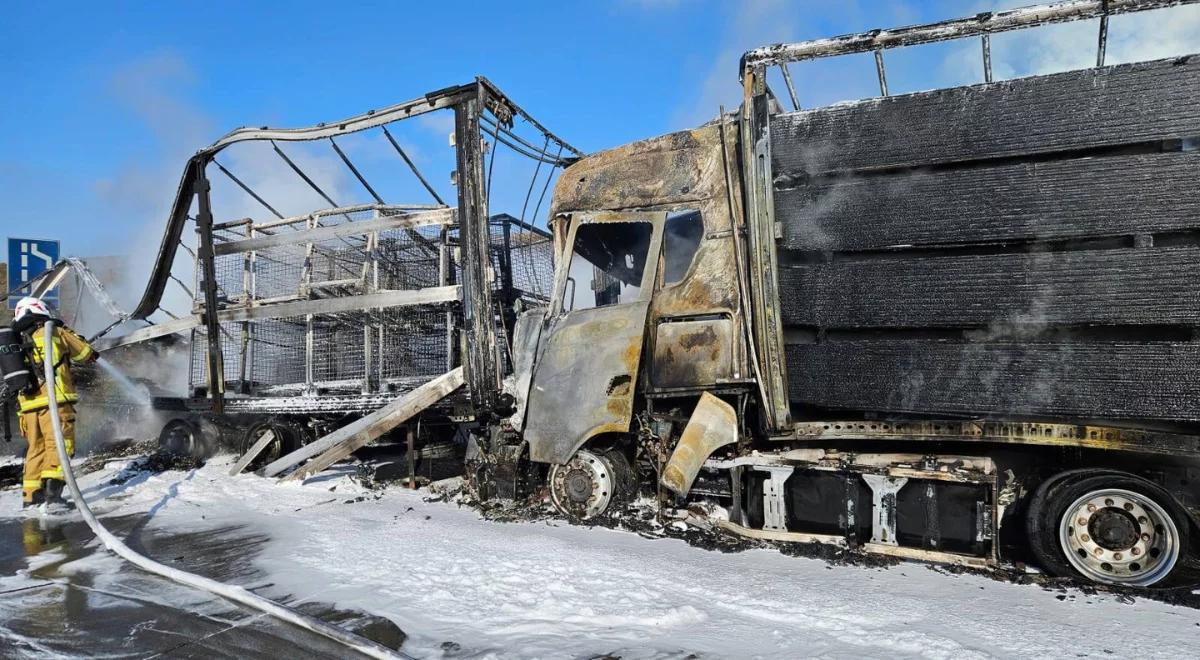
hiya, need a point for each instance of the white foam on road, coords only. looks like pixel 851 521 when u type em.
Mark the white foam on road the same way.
pixel 552 590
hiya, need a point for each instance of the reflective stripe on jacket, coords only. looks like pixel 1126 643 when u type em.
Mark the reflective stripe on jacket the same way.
pixel 67 343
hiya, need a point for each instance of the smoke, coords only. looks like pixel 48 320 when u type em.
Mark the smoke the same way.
pixel 153 91
pixel 116 407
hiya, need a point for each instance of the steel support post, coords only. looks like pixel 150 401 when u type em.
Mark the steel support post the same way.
pixel 883 506
pixel 481 359
pixel 760 219
pixel 212 327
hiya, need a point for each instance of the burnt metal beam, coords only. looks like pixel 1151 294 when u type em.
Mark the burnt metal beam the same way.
pixel 533 180
pixel 980 24
pixel 545 187
pixel 412 166
pixel 437 295
pixel 405 221
pixel 299 172
pixel 1102 38
pixel 482 356
pixel 212 326
pixel 761 260
pixel 791 88
pixel 247 189
pixel 358 175
pixel 881 72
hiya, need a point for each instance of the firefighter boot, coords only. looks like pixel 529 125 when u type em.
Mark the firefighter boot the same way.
pixel 37 499
pixel 54 499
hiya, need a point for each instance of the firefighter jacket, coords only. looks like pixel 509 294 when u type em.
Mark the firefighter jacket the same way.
pixel 66 346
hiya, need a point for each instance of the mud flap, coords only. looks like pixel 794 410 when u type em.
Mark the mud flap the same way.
pixel 713 425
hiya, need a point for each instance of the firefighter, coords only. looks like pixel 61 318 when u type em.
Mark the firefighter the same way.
pixel 43 480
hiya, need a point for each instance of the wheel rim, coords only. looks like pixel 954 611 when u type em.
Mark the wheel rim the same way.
pixel 273 449
pixel 1118 536
pixel 583 486
pixel 180 439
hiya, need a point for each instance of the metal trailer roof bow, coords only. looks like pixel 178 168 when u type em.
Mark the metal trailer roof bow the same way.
pixel 982 25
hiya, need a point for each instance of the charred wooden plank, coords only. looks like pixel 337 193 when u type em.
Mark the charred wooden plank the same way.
pixel 1134 286
pixel 1033 201
pixel 1100 380
pixel 343 441
pixel 1105 106
pixel 384 420
pixel 252 453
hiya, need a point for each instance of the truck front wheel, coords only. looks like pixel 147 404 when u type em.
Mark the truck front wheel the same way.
pixel 1108 527
pixel 590 484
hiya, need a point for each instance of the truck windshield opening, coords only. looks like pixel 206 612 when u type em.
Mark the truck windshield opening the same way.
pixel 607 264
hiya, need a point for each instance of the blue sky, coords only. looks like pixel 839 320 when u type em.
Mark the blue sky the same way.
pixel 104 102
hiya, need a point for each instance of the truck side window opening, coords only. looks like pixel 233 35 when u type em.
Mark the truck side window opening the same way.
pixel 607 264
pixel 681 240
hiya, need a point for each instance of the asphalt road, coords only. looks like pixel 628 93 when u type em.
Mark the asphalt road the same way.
pixel 62 594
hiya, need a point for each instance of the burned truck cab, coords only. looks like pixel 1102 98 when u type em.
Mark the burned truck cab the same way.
pixel 645 315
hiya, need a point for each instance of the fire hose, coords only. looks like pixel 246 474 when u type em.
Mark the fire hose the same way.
pixel 233 593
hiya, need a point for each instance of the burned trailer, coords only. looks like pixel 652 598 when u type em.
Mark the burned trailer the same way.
pixel 317 331
pixel 952 326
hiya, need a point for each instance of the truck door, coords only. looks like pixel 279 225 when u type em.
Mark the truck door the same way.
pixel 587 370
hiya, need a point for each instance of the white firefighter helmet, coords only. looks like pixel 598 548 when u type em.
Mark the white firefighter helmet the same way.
pixel 31 306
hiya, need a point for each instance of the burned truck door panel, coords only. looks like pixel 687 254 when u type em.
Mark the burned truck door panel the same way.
pixel 694 343
pixel 586 373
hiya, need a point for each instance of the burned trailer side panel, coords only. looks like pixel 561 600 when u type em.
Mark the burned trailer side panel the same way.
pixel 1034 200
pixel 1114 287
pixel 1128 381
pixel 983 288
pixel 1076 110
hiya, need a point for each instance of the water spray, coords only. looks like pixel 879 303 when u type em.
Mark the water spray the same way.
pixel 230 592
pixel 136 391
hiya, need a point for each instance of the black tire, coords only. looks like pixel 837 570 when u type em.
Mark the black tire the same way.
pixel 1047 530
pixel 624 479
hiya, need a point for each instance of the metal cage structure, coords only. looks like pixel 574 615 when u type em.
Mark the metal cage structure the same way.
pixel 348 306
pixel 402 256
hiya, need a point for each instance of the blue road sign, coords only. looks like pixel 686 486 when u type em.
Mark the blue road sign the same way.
pixel 28 258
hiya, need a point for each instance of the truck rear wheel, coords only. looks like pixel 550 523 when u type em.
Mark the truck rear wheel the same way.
pixel 284 441
pixel 590 484
pixel 1108 527
pixel 181 437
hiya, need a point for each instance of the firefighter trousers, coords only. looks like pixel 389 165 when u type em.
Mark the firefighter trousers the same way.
pixel 41 459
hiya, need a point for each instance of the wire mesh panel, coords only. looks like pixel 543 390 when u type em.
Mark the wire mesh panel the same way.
pixel 339 350
pixel 232 270
pixel 523 256
pixel 278 349
pixel 363 350
pixel 230 351
pixel 414 343
pixel 523 262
